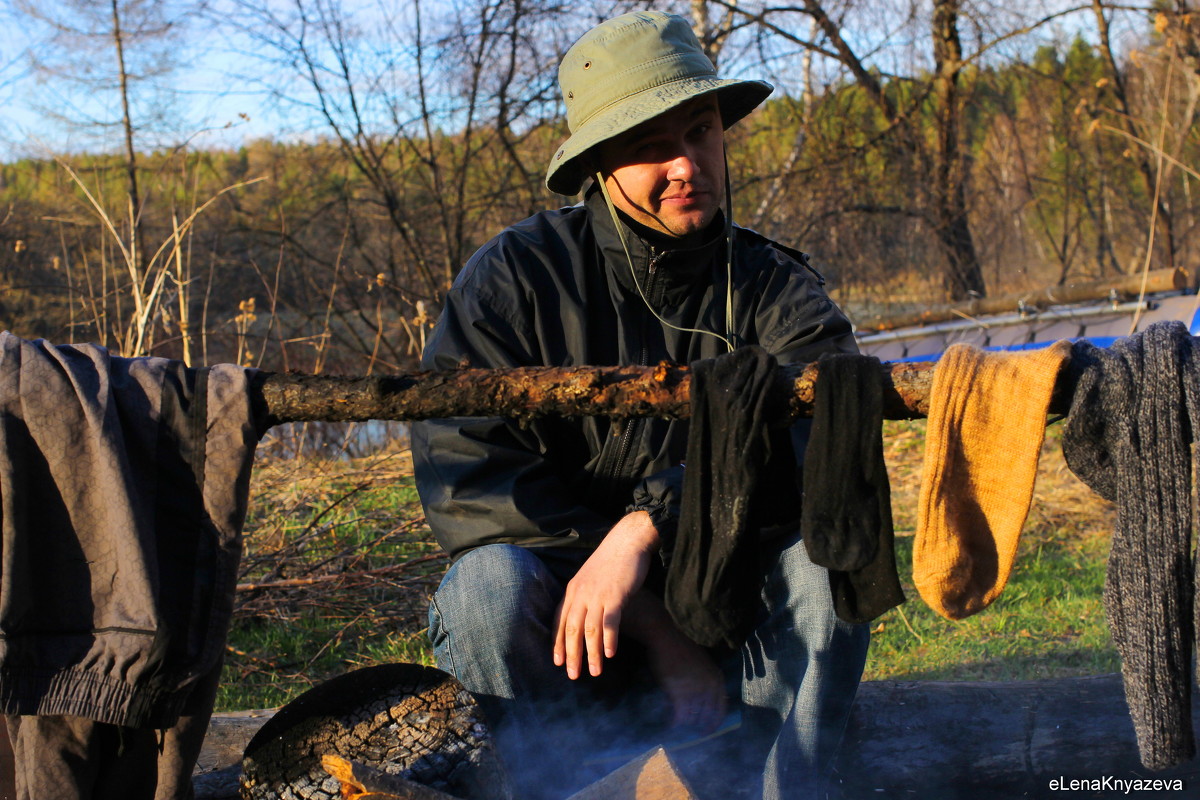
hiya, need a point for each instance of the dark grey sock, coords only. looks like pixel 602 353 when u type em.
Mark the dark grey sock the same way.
pixel 1129 438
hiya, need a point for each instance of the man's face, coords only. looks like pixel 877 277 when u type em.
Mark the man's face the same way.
pixel 669 172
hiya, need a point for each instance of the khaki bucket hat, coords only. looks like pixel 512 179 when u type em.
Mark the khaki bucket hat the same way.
pixel 631 69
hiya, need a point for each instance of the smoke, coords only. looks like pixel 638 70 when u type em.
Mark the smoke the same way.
pixel 553 748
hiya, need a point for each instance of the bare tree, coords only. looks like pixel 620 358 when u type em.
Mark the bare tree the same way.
pixel 1128 121
pixel 712 35
pixel 106 71
pixel 123 50
pixel 964 277
pixel 439 109
pixel 920 104
pixel 942 198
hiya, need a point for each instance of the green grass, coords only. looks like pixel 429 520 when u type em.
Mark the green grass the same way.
pixel 1048 622
pixel 344 564
pixel 349 536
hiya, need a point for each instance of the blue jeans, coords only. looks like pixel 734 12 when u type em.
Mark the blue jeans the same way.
pixel 796 676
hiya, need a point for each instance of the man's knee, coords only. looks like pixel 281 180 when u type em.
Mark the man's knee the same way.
pixel 492 596
pixel 497 581
pixel 490 619
pixel 801 616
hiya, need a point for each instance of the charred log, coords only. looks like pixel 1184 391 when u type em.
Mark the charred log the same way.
pixel 402 719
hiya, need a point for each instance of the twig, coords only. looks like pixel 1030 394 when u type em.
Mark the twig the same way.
pixel 1158 181
pixel 908 625
pixel 288 583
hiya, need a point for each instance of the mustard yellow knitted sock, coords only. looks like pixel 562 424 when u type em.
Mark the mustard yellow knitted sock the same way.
pixel 987 421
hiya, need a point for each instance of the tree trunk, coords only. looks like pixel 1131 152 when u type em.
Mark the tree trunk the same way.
pixel 135 202
pixel 711 36
pixel 964 276
pixel 807 102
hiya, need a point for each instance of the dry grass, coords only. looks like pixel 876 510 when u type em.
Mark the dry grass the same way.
pixel 338 569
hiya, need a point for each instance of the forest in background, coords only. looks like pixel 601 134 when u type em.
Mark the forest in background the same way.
pixel 986 153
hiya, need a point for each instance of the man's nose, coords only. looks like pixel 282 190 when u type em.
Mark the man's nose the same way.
pixel 682 167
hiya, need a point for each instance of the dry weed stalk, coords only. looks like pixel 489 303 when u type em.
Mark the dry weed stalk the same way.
pixel 146 285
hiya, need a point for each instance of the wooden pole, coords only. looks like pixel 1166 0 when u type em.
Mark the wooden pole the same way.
pixel 530 392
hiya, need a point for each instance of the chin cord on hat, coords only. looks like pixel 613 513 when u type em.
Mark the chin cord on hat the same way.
pixel 730 337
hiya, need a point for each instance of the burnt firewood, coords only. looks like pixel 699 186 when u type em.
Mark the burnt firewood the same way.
pixel 405 720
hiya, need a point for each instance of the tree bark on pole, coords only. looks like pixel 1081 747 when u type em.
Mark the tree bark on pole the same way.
pixel 529 392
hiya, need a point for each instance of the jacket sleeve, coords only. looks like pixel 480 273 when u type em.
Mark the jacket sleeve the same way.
pixel 490 480
pixel 802 322
pixel 659 495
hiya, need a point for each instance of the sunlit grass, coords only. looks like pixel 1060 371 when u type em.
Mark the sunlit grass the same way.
pixel 338 568
pixel 1049 621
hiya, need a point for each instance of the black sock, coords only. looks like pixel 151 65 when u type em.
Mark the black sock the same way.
pixel 714 580
pixel 846 521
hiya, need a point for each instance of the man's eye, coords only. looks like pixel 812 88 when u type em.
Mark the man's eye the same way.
pixel 650 150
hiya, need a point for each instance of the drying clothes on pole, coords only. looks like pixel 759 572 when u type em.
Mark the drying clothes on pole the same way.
pixel 986 424
pixel 846 521
pixel 1129 437
pixel 714 579
pixel 123 487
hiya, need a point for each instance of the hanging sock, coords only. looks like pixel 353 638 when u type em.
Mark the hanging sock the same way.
pixel 1129 437
pixel 987 421
pixel 714 580
pixel 846 521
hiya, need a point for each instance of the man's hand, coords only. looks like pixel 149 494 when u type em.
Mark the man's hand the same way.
pixel 589 616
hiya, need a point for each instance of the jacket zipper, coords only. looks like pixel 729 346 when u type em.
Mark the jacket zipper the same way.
pixel 652 266
pixel 632 425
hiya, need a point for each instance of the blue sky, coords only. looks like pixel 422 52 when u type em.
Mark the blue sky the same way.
pixel 207 106
pixel 199 102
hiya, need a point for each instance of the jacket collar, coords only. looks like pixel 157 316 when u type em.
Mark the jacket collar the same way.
pixel 675 267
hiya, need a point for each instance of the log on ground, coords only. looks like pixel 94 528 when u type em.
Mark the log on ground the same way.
pixel 931 739
pixel 945 740
pixel 1123 287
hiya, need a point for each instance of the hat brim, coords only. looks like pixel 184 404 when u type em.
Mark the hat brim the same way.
pixel 735 98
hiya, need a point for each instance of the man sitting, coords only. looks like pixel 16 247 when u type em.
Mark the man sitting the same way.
pixel 552 612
